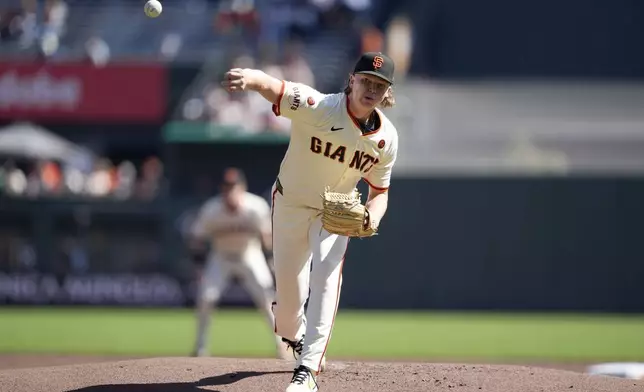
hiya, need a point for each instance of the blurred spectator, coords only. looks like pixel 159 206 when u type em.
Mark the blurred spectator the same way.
pixel 151 177
pixel 194 109
pixel 170 46
pixel 239 21
pixel 227 109
pixel 399 44
pixel 14 180
pixel 74 180
pixel 295 66
pixel 125 180
pixel 272 122
pixel 11 24
pixel 34 184
pixel 236 14
pixel 334 14
pixel 97 51
pixel 51 178
pixel 243 61
pixel 372 39
pixel 56 12
pixel 100 182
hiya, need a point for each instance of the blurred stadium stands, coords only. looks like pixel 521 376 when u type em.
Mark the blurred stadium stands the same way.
pixel 309 41
pixel 188 31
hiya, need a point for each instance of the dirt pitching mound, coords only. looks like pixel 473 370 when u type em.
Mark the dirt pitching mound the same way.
pixel 266 375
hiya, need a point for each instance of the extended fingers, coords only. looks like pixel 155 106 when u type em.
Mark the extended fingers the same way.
pixel 233 80
pixel 232 86
pixel 234 74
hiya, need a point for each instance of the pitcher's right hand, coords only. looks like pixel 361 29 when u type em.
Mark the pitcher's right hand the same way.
pixel 237 79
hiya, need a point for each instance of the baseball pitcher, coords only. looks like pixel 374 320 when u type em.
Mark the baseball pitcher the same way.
pixel 336 141
pixel 237 225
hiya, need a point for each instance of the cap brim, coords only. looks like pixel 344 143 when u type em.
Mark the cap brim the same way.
pixel 374 73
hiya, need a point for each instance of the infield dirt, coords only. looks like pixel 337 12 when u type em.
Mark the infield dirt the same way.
pixel 177 374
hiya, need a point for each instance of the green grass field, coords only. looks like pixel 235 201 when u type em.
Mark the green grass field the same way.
pixel 369 335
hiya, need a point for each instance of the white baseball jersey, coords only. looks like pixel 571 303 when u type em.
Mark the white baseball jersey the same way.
pixel 327 147
pixel 234 234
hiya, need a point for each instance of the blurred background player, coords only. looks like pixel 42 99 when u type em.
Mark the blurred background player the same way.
pixel 229 239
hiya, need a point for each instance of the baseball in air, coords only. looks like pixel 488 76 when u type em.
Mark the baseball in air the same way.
pixel 153 8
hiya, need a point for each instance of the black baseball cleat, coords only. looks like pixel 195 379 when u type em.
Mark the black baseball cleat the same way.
pixel 297 350
pixel 295 346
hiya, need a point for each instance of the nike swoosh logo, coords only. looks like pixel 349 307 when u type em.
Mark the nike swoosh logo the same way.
pixel 333 129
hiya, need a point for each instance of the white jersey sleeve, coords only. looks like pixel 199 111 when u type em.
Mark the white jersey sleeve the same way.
pixel 380 176
pixel 300 102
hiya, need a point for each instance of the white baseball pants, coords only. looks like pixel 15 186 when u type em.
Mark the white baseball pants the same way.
pixel 251 269
pixel 306 257
pixel 255 277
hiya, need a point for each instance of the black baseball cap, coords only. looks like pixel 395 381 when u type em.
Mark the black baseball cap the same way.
pixel 377 64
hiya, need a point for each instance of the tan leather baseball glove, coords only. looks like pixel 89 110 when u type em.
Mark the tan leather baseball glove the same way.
pixel 344 214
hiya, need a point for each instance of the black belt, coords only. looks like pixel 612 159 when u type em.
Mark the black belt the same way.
pixel 279 187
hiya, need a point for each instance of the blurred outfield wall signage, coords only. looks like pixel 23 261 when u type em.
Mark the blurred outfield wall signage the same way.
pixel 126 289
pixel 74 92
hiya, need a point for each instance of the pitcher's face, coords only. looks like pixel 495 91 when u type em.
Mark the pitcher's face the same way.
pixel 368 91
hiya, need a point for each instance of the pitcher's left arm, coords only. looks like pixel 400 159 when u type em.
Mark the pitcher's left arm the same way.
pixel 379 179
pixel 377 205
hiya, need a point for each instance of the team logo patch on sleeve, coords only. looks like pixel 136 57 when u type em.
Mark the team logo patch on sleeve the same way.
pixel 310 101
pixel 381 143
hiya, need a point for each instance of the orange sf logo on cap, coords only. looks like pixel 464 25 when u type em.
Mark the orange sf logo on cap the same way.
pixel 378 61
